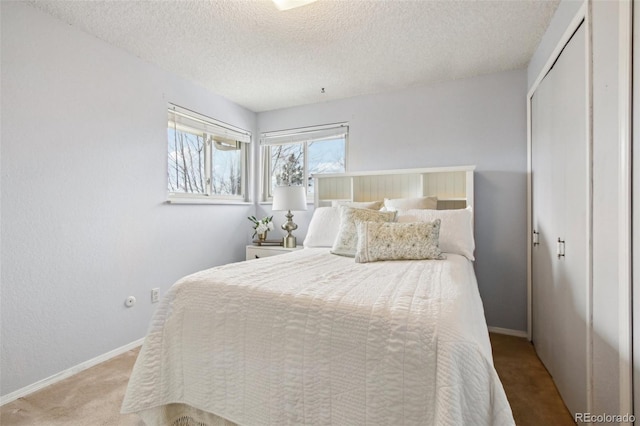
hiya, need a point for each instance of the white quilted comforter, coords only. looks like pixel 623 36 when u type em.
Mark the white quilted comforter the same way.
pixel 311 338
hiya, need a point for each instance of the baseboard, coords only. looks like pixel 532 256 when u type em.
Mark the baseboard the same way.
pixel 20 393
pixel 508 332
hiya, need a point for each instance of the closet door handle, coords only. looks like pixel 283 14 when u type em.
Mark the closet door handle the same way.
pixel 560 248
pixel 536 238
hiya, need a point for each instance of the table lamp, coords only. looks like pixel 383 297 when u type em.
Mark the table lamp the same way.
pixel 287 198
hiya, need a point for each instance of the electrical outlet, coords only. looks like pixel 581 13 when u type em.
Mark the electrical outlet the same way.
pixel 155 295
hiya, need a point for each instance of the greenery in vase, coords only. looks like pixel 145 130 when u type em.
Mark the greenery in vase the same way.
pixel 261 226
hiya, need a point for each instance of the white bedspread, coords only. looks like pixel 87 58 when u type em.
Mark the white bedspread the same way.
pixel 317 339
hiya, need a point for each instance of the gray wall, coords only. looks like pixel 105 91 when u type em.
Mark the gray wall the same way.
pixel 83 169
pixel 84 223
pixel 478 121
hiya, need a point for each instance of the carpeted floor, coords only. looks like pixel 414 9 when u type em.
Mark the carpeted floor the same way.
pixel 90 398
pixel 93 397
pixel 533 397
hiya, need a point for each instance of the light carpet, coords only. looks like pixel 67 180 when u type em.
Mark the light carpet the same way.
pixel 93 397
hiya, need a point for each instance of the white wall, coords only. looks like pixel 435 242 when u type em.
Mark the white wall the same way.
pixel 565 12
pixel 606 393
pixel 636 209
pixel 84 223
pixel 606 168
pixel 479 121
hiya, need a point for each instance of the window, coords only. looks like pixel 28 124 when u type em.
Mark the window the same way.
pixel 292 157
pixel 207 159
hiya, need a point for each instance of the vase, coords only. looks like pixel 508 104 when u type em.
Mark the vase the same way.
pixel 262 237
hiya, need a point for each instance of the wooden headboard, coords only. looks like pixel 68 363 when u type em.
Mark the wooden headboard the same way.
pixel 452 185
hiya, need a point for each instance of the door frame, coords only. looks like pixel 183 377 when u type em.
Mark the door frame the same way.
pixel 630 161
pixel 583 15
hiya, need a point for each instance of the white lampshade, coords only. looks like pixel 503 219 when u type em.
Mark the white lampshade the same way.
pixel 289 198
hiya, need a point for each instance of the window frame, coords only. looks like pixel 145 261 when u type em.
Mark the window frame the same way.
pixel 341 131
pixel 219 128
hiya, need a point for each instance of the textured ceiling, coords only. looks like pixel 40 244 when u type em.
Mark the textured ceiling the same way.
pixel 263 58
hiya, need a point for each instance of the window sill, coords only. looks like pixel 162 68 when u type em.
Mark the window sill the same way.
pixel 268 203
pixel 208 201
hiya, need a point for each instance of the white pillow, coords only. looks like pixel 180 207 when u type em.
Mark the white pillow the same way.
pixel 397 204
pixel 456 228
pixel 371 205
pixel 323 227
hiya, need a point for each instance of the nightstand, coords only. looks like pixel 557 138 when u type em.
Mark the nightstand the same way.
pixel 256 252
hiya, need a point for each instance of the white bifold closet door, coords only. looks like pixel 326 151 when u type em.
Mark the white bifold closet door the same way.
pixel 560 185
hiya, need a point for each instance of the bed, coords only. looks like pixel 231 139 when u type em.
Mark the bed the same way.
pixel 315 338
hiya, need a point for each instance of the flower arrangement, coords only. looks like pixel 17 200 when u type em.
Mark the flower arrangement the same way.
pixel 261 226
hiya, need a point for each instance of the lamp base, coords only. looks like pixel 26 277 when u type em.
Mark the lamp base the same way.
pixel 289 241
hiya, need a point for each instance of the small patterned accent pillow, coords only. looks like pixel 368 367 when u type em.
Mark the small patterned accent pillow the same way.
pixel 398 241
pixel 347 239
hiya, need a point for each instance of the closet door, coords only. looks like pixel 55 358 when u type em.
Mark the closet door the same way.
pixel 560 206
pixel 544 228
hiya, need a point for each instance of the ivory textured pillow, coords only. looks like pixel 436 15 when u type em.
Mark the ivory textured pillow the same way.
pixel 347 239
pixel 456 229
pixel 395 204
pixel 323 227
pixel 371 205
pixel 397 241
